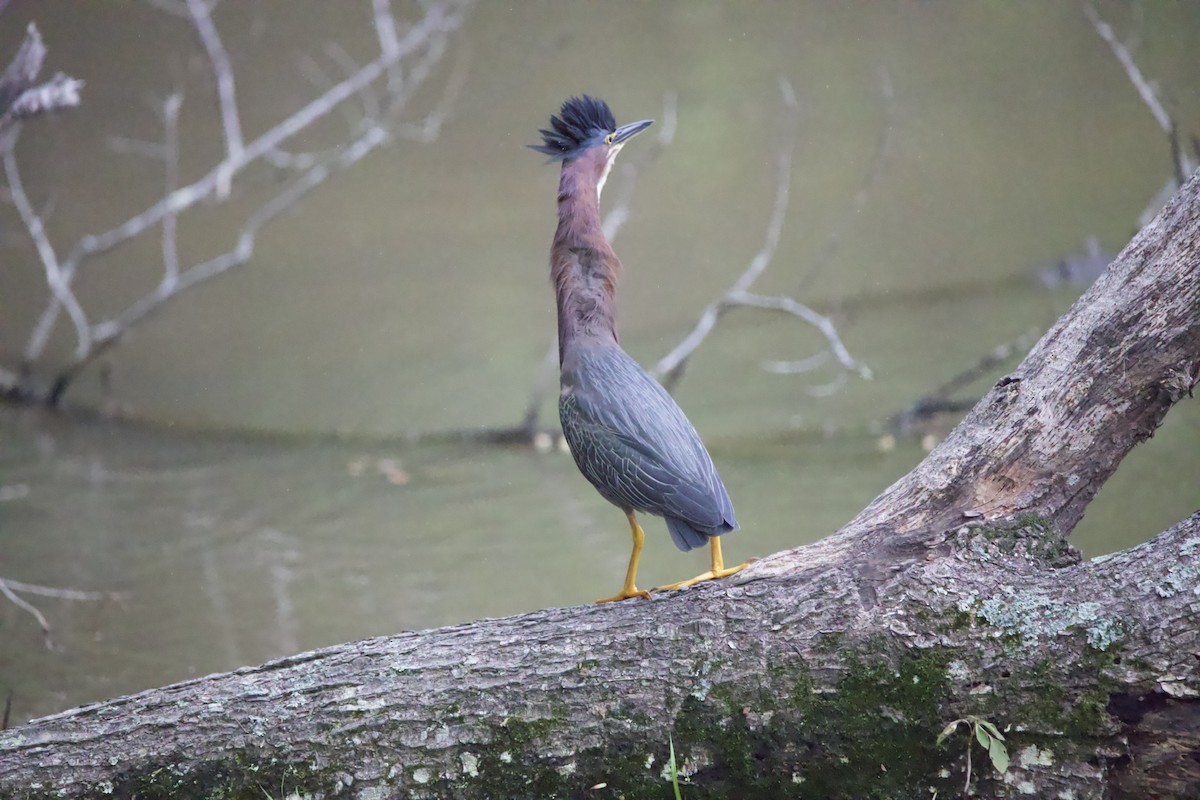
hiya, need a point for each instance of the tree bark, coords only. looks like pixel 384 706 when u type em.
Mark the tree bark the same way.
pixel 825 671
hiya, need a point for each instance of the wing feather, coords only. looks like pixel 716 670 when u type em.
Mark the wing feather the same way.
pixel 632 441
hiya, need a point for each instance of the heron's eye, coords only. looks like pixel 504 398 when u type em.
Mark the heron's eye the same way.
pixel 609 139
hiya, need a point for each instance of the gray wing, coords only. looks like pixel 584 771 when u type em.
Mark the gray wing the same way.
pixel 632 441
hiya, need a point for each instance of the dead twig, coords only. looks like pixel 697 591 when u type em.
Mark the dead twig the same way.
pixel 201 17
pixel 19 97
pixel 389 40
pixel 10 588
pixel 30 609
pixel 819 321
pixel 1146 90
pixel 940 401
pixel 76 595
pixel 56 279
pixel 170 244
pixel 671 367
pixel 107 333
pixel 421 47
pixel 883 148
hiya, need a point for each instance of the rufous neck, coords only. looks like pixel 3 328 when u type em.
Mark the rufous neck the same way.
pixel 583 266
pixel 579 201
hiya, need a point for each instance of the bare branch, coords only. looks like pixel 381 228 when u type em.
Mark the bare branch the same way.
pixel 30 609
pixel 170 244
pixel 1184 166
pixel 9 589
pixel 883 147
pixel 389 41
pixel 797 309
pixel 108 332
pixel 372 108
pixel 59 92
pixel 419 70
pixel 828 389
pixel 19 98
pixel 57 593
pixel 797 366
pixel 428 34
pixel 315 73
pixel 60 288
pixel 126 145
pixel 940 401
pixel 24 68
pixel 784 169
pixel 670 368
pixel 428 128
pixel 1144 88
pixel 201 16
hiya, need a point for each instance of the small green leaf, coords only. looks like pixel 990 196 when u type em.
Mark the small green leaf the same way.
pixel 992 729
pixel 999 756
pixel 983 737
pixel 946 731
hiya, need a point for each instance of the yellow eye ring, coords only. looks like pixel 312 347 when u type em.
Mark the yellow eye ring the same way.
pixel 609 139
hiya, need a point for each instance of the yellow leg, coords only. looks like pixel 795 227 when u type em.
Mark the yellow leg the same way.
pixel 718 569
pixel 629 590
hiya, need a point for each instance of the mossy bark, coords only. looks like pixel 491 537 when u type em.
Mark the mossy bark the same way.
pixel 825 671
pixel 796 686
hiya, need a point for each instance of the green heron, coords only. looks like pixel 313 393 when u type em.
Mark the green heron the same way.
pixel 628 436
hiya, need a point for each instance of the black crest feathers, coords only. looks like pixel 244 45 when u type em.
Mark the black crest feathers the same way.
pixel 580 122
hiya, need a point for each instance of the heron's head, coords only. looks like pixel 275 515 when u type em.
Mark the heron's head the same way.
pixel 586 125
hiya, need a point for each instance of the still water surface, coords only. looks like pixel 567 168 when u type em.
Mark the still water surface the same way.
pixel 411 296
pixel 228 551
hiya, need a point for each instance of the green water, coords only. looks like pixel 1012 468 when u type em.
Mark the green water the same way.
pixel 410 297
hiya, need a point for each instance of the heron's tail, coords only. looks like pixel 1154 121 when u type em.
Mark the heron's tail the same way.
pixel 688 538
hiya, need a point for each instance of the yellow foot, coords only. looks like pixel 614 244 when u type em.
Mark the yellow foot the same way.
pixel 707 576
pixel 625 594
pixel 628 589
